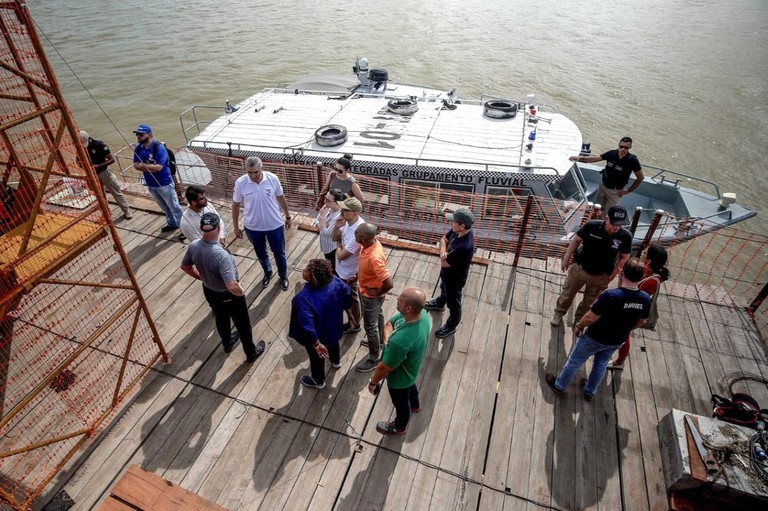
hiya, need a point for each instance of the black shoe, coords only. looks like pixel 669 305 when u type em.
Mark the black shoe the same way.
pixel 432 305
pixel 267 278
pixel 284 284
pixel 168 228
pixel 551 379
pixel 234 338
pixel 389 428
pixel 444 331
pixel 182 237
pixel 260 347
pixel 588 397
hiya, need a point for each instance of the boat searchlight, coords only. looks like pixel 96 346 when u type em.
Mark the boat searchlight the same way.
pixel 727 199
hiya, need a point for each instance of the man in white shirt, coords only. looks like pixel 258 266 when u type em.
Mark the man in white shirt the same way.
pixel 198 206
pixel 260 194
pixel 348 253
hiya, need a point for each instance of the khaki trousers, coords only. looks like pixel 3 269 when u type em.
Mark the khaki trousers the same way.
pixel 109 182
pixel 607 197
pixel 574 281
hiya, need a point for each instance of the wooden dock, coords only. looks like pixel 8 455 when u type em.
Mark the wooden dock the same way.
pixel 491 435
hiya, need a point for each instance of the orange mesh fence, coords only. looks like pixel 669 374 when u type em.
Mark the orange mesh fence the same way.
pixel 712 261
pixel 75 335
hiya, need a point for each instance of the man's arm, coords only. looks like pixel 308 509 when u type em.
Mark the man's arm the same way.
pixel 336 233
pixel 388 329
pixel 284 206
pixel 443 247
pixel 379 374
pixel 109 160
pixel 619 265
pixel 386 285
pixel 191 271
pixel 235 288
pixel 587 159
pixel 639 177
pixel 572 246
pixel 236 219
pixel 586 320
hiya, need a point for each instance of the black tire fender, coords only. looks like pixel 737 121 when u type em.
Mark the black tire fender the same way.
pixel 331 135
pixel 500 109
pixel 404 106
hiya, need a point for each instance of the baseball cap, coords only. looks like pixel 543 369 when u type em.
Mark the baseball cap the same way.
pixel 462 216
pixel 143 128
pixel 351 204
pixel 209 221
pixel 618 215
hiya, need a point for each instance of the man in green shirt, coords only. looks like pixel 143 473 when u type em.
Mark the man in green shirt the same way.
pixel 405 345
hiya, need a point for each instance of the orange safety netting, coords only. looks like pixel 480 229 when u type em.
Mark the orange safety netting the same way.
pixel 75 334
pixel 716 261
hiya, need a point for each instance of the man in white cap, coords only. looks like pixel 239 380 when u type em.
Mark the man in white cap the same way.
pixel 599 250
pixel 151 157
pixel 457 247
pixel 101 158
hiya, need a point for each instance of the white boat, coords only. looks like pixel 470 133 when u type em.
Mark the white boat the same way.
pixel 429 139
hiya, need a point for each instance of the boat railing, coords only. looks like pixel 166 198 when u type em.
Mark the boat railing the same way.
pixel 661 177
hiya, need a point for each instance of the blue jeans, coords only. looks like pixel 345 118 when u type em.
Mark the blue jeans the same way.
pixel 276 239
pixel 585 348
pixel 165 196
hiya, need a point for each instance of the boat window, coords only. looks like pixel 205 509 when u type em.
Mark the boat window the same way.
pixel 430 196
pixel 567 188
pixel 504 202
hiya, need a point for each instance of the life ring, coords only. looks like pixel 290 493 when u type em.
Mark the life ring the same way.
pixel 500 109
pixel 405 106
pixel 331 135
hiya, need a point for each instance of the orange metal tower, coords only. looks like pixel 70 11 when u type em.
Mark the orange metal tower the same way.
pixel 75 333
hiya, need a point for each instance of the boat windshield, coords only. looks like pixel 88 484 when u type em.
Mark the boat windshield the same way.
pixel 569 188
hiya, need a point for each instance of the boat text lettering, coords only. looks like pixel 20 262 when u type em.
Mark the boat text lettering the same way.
pixel 427 175
pixel 502 180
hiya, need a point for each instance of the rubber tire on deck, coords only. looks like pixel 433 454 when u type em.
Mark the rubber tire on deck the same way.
pixel 403 106
pixel 331 135
pixel 500 109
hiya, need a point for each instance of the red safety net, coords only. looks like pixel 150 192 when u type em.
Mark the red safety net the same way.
pixel 710 262
pixel 75 334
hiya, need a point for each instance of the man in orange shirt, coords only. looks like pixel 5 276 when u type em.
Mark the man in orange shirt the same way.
pixel 374 280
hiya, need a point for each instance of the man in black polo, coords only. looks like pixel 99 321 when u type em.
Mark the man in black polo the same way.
pixel 619 165
pixel 101 158
pixel 599 250
pixel 457 248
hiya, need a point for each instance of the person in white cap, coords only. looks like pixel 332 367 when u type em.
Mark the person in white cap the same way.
pixel 101 158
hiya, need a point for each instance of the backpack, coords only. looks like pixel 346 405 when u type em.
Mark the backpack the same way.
pixel 741 409
pixel 171 157
pixel 653 315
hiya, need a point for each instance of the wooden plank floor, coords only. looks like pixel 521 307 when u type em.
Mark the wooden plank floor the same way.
pixel 491 435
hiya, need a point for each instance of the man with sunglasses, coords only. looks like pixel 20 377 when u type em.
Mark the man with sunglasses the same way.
pixel 198 206
pixel 151 158
pixel 619 165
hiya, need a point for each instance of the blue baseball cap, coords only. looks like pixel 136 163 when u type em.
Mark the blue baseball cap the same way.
pixel 143 128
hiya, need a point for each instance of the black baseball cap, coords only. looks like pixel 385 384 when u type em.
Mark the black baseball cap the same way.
pixel 618 215
pixel 209 221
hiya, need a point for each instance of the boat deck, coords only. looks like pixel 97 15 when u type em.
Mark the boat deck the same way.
pixel 491 435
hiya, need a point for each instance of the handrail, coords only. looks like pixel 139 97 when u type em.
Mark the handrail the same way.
pixel 682 174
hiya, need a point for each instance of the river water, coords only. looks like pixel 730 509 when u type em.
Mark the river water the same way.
pixel 686 79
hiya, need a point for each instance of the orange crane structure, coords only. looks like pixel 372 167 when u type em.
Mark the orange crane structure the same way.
pixel 75 332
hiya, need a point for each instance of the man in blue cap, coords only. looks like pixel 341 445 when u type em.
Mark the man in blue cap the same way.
pixel 151 157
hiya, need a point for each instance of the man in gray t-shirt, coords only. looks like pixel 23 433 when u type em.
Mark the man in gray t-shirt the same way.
pixel 206 260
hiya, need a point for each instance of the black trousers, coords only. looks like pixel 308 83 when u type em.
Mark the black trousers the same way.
pixel 450 296
pixel 227 309
pixel 317 364
pixel 404 400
